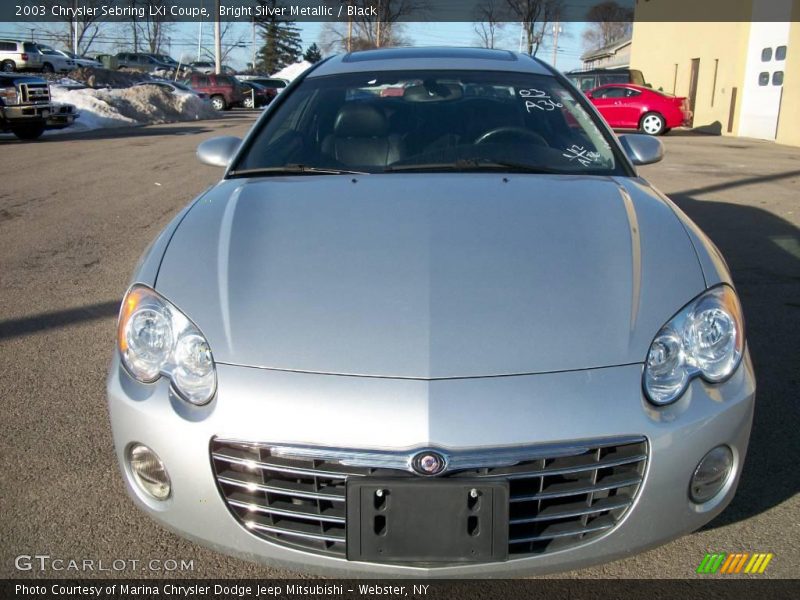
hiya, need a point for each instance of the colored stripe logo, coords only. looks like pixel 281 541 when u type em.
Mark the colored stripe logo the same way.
pixel 731 564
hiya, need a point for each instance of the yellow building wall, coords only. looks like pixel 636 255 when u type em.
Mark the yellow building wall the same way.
pixel 789 119
pixel 663 51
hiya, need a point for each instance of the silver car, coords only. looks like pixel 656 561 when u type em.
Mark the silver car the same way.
pixel 431 323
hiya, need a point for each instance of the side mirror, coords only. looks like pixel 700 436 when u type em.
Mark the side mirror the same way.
pixel 642 149
pixel 218 151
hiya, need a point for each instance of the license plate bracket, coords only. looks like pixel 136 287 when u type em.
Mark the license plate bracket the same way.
pixel 427 520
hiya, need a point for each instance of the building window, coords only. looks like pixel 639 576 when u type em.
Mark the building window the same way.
pixel 766 55
pixel 780 53
pixel 777 78
pixel 763 78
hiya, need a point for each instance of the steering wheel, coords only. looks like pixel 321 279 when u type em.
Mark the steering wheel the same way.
pixel 511 134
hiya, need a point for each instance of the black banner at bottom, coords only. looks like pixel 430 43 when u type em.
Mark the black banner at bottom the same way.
pixel 346 589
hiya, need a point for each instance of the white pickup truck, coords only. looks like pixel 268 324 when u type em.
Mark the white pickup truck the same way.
pixel 26 109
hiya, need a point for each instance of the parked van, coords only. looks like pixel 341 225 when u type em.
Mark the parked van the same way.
pixel 19 56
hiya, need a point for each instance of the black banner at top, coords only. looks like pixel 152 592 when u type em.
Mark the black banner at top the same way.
pixel 513 11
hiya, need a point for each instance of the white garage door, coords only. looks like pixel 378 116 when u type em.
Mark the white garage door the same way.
pixel 763 85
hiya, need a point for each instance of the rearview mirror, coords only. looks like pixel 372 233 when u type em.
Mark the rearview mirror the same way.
pixel 642 149
pixel 218 151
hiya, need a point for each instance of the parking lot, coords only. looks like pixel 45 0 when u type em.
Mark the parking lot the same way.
pixel 76 212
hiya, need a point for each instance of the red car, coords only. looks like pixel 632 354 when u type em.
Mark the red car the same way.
pixel 224 91
pixel 628 106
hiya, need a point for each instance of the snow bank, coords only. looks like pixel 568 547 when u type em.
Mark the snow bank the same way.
pixel 292 71
pixel 140 105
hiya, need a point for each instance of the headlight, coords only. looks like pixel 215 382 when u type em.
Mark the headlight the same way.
pixel 8 95
pixel 155 339
pixel 705 339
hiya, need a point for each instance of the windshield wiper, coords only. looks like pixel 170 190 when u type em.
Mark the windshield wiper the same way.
pixel 474 164
pixel 293 169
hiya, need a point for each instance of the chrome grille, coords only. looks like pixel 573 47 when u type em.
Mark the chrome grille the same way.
pixel 34 93
pixel 560 495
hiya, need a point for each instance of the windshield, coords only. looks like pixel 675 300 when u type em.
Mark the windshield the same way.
pixel 430 120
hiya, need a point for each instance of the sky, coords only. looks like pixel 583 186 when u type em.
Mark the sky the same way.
pixel 184 37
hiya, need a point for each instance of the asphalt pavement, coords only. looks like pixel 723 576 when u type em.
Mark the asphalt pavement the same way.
pixel 76 212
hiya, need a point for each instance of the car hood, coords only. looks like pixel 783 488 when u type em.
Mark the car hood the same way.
pixel 430 276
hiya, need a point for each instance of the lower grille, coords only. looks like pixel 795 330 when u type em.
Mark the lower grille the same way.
pixel 32 93
pixel 560 495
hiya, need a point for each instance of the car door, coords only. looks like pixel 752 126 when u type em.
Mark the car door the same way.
pixel 609 101
pixel 201 82
pixel 631 108
pixel 603 104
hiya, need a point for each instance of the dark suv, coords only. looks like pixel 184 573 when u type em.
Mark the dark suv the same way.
pixel 225 91
pixel 588 80
pixel 141 62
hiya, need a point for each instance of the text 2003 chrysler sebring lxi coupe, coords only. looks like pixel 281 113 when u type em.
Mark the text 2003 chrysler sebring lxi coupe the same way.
pixel 439 331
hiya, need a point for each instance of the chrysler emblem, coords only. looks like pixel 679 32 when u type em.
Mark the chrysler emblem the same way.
pixel 428 462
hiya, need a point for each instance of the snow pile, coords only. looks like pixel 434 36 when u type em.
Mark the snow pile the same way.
pixel 292 71
pixel 139 105
pixel 95 111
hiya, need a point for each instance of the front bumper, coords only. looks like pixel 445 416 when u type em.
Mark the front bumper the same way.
pixel 27 112
pixel 377 413
pixel 62 115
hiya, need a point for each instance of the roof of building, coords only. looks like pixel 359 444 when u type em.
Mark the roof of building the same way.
pixel 607 50
pixel 399 59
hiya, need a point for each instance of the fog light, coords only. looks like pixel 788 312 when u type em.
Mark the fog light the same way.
pixel 711 474
pixel 149 472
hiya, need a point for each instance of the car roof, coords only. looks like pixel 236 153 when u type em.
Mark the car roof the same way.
pixel 633 86
pixel 401 59
pixel 608 71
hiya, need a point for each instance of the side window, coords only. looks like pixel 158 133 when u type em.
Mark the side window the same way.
pixel 30 47
pixel 600 93
pixel 777 78
pixel 780 53
pixel 202 81
pixel 8 47
pixel 615 92
pixel 631 93
pixel 766 55
pixel 763 78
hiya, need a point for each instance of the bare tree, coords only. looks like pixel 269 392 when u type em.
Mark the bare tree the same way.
pixel 608 22
pixel 232 37
pixel 151 32
pixel 87 27
pixel 488 26
pixel 134 25
pixel 534 15
pixel 365 32
pixel 344 37
pixel 155 27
